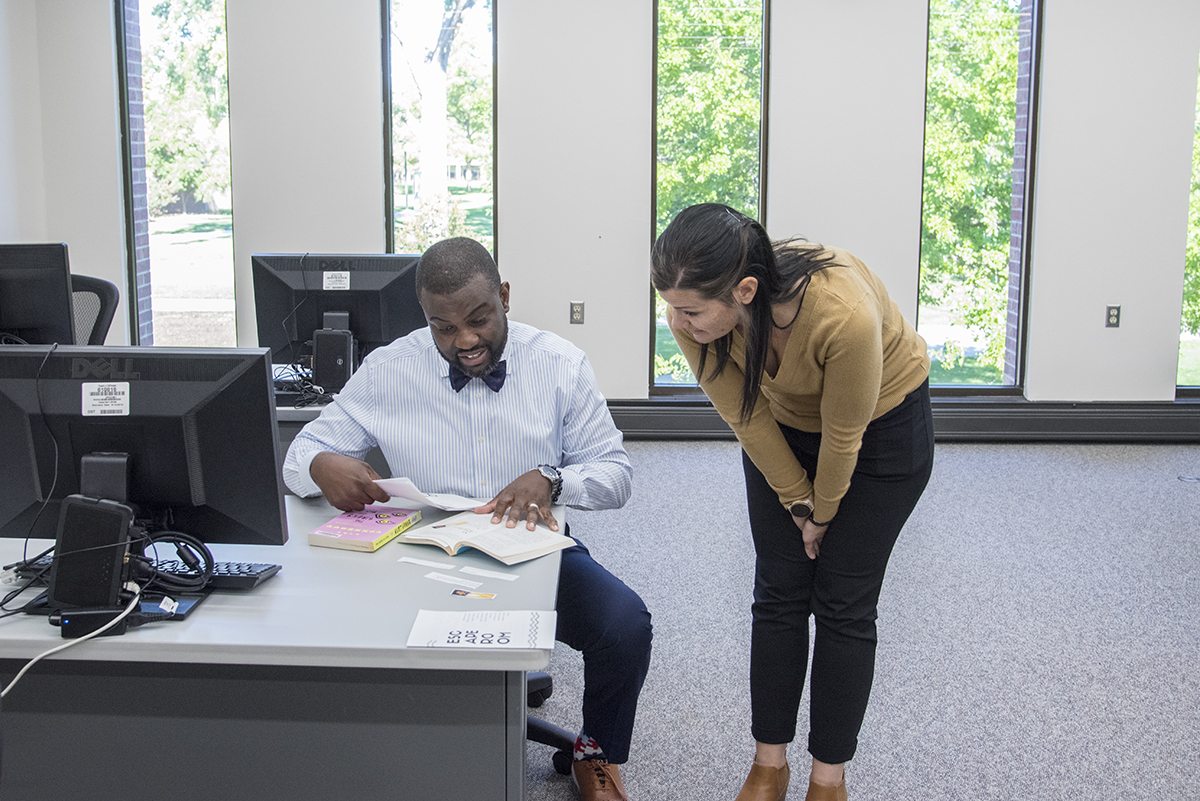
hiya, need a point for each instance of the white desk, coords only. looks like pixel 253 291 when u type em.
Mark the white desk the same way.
pixel 301 688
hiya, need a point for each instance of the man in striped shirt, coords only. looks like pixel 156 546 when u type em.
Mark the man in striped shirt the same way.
pixel 477 406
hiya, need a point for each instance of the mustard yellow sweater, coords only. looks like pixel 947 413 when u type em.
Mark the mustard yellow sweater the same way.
pixel 851 358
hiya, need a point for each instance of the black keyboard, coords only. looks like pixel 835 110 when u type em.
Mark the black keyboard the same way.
pixel 226 575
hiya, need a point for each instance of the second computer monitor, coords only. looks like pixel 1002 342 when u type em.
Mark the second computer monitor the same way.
pixel 35 295
pixel 296 294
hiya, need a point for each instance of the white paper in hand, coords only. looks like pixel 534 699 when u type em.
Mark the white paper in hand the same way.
pixel 404 488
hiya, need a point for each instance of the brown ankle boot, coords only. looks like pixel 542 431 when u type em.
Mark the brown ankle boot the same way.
pixel 765 784
pixel 823 792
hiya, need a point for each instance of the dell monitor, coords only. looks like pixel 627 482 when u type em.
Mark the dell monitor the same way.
pixel 193 431
pixel 35 295
pixel 325 312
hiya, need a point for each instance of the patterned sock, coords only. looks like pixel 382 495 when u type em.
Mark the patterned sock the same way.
pixel 587 748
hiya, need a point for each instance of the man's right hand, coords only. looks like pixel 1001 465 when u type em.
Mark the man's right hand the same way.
pixel 347 483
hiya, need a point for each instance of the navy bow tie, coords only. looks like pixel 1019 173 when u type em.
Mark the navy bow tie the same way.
pixel 494 378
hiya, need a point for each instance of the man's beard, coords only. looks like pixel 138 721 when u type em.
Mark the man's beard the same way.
pixel 495 353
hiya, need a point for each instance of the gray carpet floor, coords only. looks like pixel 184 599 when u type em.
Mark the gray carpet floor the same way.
pixel 1039 629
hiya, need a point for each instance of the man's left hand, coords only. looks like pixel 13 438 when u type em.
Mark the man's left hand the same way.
pixel 529 495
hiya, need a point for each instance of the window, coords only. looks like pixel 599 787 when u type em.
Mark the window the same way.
pixel 977 135
pixel 708 126
pixel 1189 341
pixel 177 108
pixel 441 54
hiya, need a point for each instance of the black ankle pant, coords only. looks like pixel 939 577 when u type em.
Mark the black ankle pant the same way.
pixel 840 588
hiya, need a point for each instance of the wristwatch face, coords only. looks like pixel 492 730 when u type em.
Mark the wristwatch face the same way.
pixel 801 509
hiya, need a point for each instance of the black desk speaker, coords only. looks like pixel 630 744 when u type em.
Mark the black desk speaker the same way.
pixel 334 356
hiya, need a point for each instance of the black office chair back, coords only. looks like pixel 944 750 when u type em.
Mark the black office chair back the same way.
pixel 95 302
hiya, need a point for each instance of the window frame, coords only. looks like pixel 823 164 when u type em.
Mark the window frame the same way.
pixel 1016 331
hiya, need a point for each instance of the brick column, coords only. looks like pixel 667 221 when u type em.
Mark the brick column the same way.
pixel 137 161
pixel 1016 242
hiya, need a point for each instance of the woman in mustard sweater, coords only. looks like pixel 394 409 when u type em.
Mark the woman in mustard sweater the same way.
pixel 826 386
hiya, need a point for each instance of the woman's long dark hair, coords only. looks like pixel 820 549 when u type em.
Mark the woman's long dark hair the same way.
pixel 710 248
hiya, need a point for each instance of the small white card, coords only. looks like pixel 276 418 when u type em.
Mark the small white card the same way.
pixel 483 629
pixel 425 563
pixel 461 582
pixel 475 571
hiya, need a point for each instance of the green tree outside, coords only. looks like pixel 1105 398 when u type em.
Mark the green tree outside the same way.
pixel 709 112
pixel 186 105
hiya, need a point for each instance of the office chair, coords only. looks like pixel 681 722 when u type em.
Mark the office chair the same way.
pixel 539 687
pixel 95 302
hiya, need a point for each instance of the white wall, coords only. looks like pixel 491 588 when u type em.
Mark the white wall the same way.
pixel 845 143
pixel 22 182
pixel 1114 154
pixel 305 131
pixel 575 106
pixel 64 135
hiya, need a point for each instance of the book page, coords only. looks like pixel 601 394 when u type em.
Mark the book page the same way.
pixel 496 539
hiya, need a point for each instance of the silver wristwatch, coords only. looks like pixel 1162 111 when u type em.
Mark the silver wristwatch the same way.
pixel 554 475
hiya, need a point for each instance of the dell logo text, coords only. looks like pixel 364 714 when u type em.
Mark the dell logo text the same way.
pixel 113 369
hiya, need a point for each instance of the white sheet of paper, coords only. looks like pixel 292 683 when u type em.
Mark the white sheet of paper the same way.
pixel 404 488
pixel 483 629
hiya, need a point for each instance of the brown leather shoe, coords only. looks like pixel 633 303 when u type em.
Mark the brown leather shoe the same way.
pixel 598 780
pixel 766 784
pixel 823 792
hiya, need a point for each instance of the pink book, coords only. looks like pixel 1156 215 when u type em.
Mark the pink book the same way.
pixel 368 530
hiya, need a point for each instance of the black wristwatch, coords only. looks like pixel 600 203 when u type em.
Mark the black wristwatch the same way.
pixel 555 477
pixel 801 510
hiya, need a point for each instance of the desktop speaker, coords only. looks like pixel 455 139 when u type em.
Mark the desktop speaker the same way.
pixel 89 556
pixel 334 356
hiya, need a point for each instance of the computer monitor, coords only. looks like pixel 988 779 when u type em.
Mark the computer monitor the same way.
pixel 373 297
pixel 198 426
pixel 35 295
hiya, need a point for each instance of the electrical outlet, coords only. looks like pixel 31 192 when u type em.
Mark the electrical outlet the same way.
pixel 1114 317
pixel 577 312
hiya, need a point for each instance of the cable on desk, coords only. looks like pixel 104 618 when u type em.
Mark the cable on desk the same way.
pixel 137 596
pixel 190 550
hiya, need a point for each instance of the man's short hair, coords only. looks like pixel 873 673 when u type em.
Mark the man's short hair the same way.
pixel 451 264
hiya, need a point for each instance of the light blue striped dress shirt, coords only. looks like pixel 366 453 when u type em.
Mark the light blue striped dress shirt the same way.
pixel 475 442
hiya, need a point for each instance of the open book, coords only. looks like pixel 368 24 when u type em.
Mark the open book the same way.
pixel 508 545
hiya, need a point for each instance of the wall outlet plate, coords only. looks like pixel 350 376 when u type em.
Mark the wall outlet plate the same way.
pixel 577 312
pixel 1113 319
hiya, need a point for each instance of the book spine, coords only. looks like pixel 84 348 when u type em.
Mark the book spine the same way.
pixel 396 530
